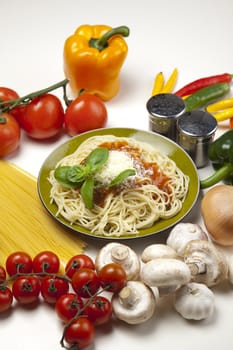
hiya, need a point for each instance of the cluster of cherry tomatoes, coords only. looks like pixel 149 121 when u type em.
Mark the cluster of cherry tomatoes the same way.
pixel 77 294
pixel 44 117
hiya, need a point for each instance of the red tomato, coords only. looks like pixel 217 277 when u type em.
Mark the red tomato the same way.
pixel 43 117
pixel 7 94
pixel 9 134
pixel 112 277
pixel 26 289
pixel 77 262
pixel 68 305
pixel 85 282
pixel 6 299
pixel 86 112
pixel 46 261
pixel 18 262
pixel 52 288
pixel 99 311
pixel 80 332
pixel 2 274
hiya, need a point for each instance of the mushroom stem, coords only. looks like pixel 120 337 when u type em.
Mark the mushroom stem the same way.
pixel 135 303
pixel 128 297
pixel 196 267
pixel 119 254
pixel 207 264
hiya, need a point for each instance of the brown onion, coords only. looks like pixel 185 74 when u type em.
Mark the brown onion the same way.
pixel 217 213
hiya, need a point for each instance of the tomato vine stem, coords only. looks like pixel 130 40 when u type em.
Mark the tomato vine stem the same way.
pixel 79 313
pixel 7 106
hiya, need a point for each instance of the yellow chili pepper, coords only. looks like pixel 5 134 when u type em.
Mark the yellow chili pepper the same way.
pixel 220 105
pixel 158 84
pixel 169 86
pixel 223 115
pixel 93 57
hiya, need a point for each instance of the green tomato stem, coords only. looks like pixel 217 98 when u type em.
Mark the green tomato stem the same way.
pixel 2 119
pixel 7 106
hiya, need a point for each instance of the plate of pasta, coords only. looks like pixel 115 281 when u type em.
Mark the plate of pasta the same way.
pixel 118 183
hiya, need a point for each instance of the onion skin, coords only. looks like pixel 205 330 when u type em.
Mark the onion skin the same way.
pixel 217 213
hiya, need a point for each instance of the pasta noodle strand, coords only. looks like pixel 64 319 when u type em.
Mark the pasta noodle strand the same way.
pixel 138 203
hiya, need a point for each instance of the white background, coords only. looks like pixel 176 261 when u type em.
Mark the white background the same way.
pixel 195 37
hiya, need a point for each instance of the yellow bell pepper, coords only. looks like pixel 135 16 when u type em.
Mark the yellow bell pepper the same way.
pixel 93 57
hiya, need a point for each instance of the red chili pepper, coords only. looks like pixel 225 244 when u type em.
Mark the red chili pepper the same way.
pixel 202 83
pixel 231 123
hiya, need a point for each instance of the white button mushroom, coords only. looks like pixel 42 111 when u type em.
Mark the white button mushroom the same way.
pixel 122 255
pixel 135 303
pixel 165 273
pixel 194 301
pixel 230 268
pixel 183 233
pixel 155 251
pixel 207 264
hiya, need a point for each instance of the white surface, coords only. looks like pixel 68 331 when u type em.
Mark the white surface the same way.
pixel 196 37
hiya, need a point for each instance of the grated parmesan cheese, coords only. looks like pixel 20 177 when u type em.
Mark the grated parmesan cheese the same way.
pixel 117 162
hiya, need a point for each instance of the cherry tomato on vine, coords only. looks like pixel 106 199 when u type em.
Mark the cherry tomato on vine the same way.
pixel 43 117
pixel 6 298
pixel 46 261
pixel 99 310
pixel 26 289
pixel 77 262
pixel 86 112
pixel 112 277
pixel 85 282
pixel 9 134
pixel 52 288
pixel 80 332
pixel 18 262
pixel 2 274
pixel 7 94
pixel 68 305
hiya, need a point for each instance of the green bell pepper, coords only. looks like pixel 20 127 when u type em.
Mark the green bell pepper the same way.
pixel 220 153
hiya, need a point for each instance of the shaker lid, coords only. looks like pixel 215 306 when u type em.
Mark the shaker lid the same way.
pixel 165 105
pixel 197 123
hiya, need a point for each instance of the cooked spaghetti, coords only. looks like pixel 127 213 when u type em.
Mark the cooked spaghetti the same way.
pixel 155 192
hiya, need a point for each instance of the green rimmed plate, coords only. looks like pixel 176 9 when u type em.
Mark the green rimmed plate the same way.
pixel 163 144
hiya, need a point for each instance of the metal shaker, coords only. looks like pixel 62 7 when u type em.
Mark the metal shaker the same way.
pixel 195 132
pixel 164 110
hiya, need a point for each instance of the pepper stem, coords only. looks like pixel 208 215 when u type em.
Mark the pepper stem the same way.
pixel 219 175
pixel 102 42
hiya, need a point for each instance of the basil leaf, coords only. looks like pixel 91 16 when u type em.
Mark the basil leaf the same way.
pixel 76 173
pixel 87 191
pixel 60 175
pixel 97 158
pixel 122 176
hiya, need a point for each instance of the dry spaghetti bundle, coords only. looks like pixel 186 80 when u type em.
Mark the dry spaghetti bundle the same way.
pixel 25 224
